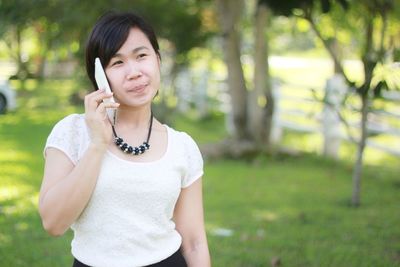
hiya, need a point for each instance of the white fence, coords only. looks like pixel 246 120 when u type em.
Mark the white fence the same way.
pixel 310 115
pixel 296 108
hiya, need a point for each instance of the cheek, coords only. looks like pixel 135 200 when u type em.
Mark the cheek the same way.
pixel 156 73
pixel 114 79
pixel 152 68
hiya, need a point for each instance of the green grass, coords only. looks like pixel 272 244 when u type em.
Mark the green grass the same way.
pixel 292 208
pixel 297 209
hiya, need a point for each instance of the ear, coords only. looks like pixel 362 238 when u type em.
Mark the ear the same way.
pixel 159 63
pixel 159 60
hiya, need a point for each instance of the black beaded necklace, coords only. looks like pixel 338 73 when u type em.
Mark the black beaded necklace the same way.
pixel 126 148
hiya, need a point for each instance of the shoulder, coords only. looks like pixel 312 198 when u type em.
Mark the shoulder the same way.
pixel 182 137
pixel 69 135
pixel 73 124
pixel 72 120
pixel 190 155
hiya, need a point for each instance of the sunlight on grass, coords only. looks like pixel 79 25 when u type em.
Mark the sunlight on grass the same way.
pixel 22 226
pixel 13 155
pixel 17 199
pixel 5 239
pixel 307 142
pixel 265 215
pixel 12 192
pixel 372 156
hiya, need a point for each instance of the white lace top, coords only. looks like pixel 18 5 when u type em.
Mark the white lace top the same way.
pixel 128 220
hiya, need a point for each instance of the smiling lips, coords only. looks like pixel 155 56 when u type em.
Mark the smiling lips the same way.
pixel 138 88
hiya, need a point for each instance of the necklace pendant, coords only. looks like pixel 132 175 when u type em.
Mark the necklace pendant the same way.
pixel 146 145
pixel 126 148
pixel 118 141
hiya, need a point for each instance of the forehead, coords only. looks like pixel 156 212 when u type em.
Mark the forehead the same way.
pixel 136 38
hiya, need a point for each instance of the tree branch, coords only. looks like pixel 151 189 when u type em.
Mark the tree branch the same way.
pixel 308 17
pixel 341 117
pixel 383 32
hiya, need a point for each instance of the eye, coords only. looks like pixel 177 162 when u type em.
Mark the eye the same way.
pixel 142 55
pixel 117 62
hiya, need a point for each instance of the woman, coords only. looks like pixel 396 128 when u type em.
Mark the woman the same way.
pixel 128 205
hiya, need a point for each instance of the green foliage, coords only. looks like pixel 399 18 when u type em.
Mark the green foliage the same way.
pixel 61 27
pixel 286 7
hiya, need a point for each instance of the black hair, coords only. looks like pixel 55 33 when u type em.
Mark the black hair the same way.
pixel 109 34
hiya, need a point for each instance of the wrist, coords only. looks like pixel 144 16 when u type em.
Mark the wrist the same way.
pixel 98 147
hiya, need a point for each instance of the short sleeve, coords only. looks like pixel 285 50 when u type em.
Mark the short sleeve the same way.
pixel 65 137
pixel 194 161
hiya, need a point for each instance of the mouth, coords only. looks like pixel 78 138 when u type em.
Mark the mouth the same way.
pixel 138 88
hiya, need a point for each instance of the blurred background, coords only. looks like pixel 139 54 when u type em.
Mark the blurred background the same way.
pixel 294 104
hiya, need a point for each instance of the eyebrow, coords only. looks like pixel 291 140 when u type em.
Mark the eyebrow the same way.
pixel 134 51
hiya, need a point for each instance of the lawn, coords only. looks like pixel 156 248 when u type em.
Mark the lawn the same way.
pixel 292 209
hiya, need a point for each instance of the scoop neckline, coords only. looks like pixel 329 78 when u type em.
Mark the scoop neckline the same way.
pixel 164 155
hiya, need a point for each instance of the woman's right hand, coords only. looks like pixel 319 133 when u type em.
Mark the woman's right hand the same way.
pixel 96 117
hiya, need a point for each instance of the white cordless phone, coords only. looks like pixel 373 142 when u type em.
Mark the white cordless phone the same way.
pixel 102 83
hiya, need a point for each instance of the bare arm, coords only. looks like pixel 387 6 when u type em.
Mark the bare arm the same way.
pixel 66 189
pixel 189 219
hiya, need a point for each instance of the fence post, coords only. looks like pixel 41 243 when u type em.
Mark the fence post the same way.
pixel 335 90
pixel 276 131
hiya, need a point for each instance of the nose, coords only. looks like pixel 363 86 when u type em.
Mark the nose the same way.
pixel 133 72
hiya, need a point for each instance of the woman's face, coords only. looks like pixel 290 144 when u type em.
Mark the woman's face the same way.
pixel 134 71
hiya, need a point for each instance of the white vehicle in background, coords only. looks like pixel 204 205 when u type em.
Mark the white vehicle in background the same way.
pixel 7 97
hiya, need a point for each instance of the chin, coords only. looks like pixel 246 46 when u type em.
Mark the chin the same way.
pixel 138 103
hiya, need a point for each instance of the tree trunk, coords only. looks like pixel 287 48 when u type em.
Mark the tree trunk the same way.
pixel 41 60
pixel 229 14
pixel 18 48
pixel 260 105
pixel 336 49
pixel 22 71
pixel 269 107
pixel 363 91
pixel 369 62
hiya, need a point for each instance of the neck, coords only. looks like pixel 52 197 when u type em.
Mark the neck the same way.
pixel 133 117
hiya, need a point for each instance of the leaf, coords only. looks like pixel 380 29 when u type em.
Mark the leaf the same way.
pixel 382 85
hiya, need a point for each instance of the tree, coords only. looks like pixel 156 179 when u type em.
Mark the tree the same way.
pixel 371 18
pixel 229 13
pixel 65 24
pixel 15 16
pixel 261 101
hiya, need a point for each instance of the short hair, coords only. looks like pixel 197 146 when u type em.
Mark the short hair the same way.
pixel 108 35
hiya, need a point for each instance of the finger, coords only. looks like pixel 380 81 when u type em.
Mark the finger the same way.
pixel 103 114
pixel 102 107
pixel 95 100
pixel 110 105
pixel 89 97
